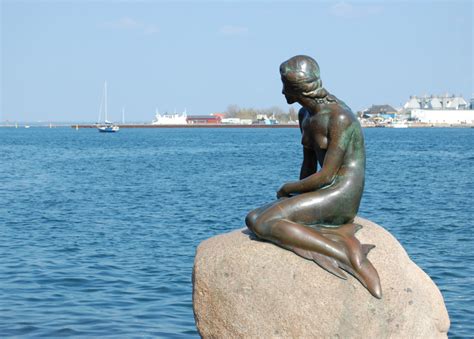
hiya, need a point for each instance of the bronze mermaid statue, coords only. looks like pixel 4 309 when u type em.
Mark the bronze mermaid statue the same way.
pixel 314 216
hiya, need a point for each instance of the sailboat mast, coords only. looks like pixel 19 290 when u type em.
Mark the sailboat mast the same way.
pixel 100 108
pixel 105 103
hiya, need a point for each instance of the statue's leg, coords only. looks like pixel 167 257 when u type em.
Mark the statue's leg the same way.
pixel 313 208
pixel 282 222
pixel 253 215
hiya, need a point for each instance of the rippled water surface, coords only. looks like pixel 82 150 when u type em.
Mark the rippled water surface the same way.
pixel 98 231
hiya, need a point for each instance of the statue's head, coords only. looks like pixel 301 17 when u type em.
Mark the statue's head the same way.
pixel 300 76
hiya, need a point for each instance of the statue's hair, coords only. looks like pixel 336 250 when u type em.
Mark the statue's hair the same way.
pixel 301 74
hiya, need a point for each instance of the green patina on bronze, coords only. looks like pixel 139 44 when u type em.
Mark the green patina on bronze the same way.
pixel 314 216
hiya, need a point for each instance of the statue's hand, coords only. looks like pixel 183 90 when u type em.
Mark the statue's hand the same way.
pixel 283 192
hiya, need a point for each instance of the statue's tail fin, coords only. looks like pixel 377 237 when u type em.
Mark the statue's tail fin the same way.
pixel 327 263
pixel 357 263
pixel 367 275
pixel 366 248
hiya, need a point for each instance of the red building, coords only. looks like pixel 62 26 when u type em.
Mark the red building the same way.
pixel 203 119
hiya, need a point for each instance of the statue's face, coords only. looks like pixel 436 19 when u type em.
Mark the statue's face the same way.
pixel 290 96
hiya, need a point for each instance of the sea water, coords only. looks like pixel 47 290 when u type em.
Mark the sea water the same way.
pixel 98 232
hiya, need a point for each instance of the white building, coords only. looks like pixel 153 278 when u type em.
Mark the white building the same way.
pixel 431 116
pixel 445 102
pixel 442 109
pixel 236 121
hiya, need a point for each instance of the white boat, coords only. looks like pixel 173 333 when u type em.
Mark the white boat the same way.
pixel 170 119
pixel 399 124
pixel 106 126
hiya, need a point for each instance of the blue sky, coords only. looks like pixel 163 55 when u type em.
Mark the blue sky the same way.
pixel 207 55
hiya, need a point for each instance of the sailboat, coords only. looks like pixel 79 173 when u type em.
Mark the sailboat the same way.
pixel 107 126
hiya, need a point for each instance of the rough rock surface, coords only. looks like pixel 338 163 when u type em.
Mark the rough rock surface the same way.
pixel 243 287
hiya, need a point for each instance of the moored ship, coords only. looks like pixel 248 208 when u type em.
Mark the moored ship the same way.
pixel 170 119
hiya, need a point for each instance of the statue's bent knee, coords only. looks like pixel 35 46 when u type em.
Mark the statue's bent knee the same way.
pixel 251 220
pixel 255 223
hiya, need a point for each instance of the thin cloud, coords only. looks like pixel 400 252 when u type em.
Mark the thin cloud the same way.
pixel 127 23
pixel 230 30
pixel 151 29
pixel 123 23
pixel 348 10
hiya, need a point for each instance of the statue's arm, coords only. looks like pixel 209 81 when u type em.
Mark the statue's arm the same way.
pixel 339 138
pixel 309 165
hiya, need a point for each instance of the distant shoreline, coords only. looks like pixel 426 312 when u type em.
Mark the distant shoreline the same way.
pixel 414 125
pixel 196 126
pixel 81 126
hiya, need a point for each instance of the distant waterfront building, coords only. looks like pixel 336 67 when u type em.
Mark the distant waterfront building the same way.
pixel 263 119
pixel 449 116
pixel 231 121
pixel 236 121
pixel 443 109
pixel 444 102
pixel 203 119
pixel 383 111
